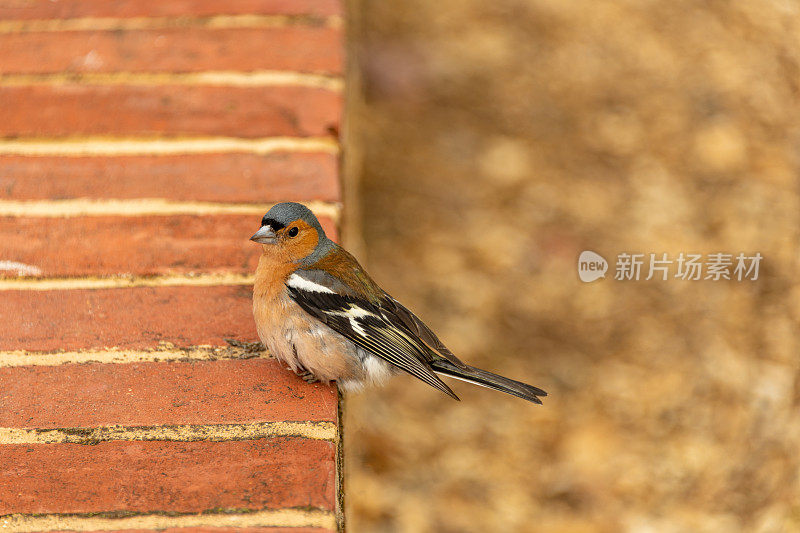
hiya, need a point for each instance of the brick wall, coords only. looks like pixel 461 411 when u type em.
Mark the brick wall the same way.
pixel 140 143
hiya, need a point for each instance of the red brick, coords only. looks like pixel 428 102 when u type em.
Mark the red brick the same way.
pixel 203 177
pixel 167 476
pixel 145 245
pixel 129 318
pixel 27 10
pixel 168 393
pixel 63 110
pixel 298 48
pixel 226 530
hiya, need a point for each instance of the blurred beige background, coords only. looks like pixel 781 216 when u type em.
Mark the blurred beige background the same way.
pixel 489 143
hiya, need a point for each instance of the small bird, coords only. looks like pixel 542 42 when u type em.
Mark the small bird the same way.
pixel 317 310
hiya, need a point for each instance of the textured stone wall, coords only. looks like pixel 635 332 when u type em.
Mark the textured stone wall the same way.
pixel 140 144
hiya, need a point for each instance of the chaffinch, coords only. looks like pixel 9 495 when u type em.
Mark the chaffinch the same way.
pixel 317 310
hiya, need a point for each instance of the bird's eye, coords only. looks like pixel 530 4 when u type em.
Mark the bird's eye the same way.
pixel 293 231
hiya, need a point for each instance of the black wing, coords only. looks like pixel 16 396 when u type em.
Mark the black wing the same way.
pixel 417 327
pixel 372 326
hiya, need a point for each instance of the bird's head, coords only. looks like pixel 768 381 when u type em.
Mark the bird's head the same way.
pixel 292 230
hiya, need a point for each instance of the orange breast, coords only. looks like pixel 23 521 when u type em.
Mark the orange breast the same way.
pixel 291 334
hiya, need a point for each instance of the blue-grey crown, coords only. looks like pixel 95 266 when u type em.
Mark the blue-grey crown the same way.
pixel 283 214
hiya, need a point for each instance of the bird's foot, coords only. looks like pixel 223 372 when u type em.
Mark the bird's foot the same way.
pixel 306 375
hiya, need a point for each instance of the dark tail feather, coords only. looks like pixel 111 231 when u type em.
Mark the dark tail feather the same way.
pixel 487 379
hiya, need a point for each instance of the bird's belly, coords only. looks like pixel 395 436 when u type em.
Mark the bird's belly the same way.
pixel 298 339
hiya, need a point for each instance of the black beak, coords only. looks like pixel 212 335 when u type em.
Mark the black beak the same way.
pixel 265 235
